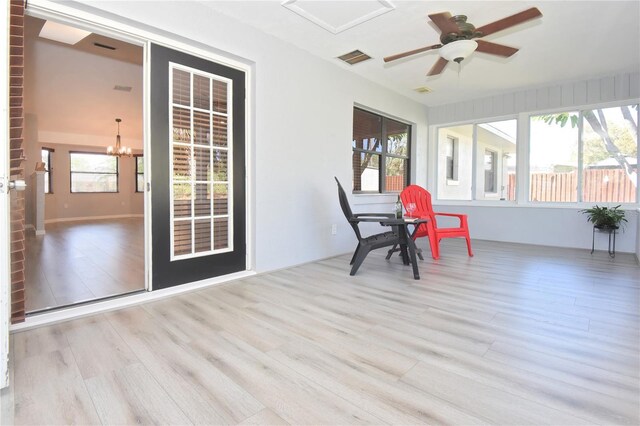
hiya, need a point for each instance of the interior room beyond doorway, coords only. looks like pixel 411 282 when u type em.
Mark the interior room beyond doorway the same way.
pixel 84 209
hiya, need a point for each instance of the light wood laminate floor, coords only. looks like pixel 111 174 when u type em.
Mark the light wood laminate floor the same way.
pixel 515 335
pixel 79 261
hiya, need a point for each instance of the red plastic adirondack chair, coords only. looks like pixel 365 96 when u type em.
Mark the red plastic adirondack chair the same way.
pixel 422 199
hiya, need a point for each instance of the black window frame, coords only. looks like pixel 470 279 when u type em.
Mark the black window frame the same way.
pixel 136 156
pixel 117 173
pixel 48 169
pixel 383 153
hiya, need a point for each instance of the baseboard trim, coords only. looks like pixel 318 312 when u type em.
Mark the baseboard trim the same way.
pixel 74 312
pixel 86 218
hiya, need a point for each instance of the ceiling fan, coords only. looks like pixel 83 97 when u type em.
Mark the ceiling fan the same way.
pixel 456 38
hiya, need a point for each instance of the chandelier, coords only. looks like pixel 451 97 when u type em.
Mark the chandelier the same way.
pixel 119 150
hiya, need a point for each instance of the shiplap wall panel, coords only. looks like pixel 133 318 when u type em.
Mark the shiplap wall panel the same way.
pixel 567 95
pixel 619 87
pixel 487 105
pixel 634 86
pixel 593 91
pixel 509 103
pixel 498 105
pixel 519 104
pixel 555 95
pixel 531 97
pixel 607 92
pixel 580 93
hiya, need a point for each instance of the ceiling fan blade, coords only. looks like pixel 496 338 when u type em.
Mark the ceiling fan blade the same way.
pixel 411 52
pixel 438 67
pixel 444 22
pixel 495 49
pixel 509 21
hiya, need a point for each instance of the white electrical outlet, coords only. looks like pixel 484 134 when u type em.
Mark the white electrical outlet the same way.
pixel 334 229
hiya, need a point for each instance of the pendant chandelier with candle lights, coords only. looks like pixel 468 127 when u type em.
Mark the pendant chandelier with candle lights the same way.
pixel 119 150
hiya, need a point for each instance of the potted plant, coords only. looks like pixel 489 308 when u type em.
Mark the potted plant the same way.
pixel 605 217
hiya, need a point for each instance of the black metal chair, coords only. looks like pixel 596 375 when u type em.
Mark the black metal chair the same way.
pixel 373 242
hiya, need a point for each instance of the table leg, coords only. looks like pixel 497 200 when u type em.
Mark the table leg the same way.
pixel 414 262
pixel 593 240
pixel 403 253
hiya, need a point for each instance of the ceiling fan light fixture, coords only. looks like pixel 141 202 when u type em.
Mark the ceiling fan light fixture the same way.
pixel 458 50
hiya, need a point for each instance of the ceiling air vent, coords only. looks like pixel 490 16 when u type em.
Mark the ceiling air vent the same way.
pixel 423 89
pixel 354 57
pixel 122 88
pixel 104 46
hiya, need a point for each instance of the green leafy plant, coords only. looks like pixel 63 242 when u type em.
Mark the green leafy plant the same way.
pixel 605 217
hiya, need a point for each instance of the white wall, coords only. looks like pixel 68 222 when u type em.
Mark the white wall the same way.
pixel 302 128
pixel 546 226
pixel 560 226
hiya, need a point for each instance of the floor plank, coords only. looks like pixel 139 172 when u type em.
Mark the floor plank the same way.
pixel 85 260
pixel 515 335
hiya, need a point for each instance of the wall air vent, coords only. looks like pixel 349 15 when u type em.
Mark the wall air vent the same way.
pixel 122 88
pixel 423 89
pixel 104 46
pixel 354 57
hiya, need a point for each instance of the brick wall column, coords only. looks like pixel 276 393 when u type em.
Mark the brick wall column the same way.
pixel 16 156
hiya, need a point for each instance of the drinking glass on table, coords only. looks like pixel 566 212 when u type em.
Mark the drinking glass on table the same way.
pixel 411 207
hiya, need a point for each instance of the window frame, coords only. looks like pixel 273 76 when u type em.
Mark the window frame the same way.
pixel 135 176
pixel 49 169
pixel 383 154
pixel 117 173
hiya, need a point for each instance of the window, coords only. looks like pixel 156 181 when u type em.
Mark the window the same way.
pixel 45 154
pixel 595 164
pixel 139 173
pixel 380 156
pixel 477 161
pixel 92 172
pixel 451 154
pixel 489 171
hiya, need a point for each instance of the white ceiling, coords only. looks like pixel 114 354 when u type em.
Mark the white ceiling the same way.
pixel 572 40
pixel 70 89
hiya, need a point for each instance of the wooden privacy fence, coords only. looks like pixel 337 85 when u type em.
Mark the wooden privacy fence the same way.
pixel 395 183
pixel 598 185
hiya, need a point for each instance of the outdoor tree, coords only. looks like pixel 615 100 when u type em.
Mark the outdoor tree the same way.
pixel 615 148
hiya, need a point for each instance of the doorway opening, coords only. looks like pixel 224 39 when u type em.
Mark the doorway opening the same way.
pixel 84 208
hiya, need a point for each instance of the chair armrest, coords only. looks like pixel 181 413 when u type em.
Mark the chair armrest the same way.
pixel 369 219
pixel 387 215
pixel 392 222
pixel 450 214
pixel 462 217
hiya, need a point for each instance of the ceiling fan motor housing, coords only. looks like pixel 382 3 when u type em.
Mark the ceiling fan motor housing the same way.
pixel 466 31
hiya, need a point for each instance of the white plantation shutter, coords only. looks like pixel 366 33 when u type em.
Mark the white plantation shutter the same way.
pixel 201 157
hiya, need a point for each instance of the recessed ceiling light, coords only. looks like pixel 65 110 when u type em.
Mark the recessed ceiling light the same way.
pixel 354 57
pixel 423 89
pixel 62 33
